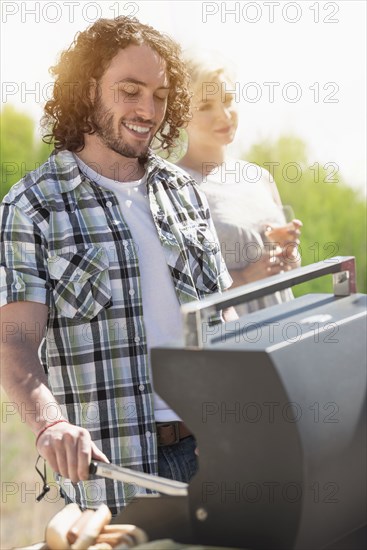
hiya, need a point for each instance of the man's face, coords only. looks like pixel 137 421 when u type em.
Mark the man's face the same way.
pixel 131 101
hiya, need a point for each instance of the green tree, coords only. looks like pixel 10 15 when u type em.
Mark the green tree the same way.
pixel 21 149
pixel 333 213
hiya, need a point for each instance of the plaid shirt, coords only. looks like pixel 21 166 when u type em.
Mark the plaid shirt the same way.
pixel 66 244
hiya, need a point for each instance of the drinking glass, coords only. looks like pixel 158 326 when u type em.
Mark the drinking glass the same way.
pixel 288 213
pixel 279 234
pixel 278 237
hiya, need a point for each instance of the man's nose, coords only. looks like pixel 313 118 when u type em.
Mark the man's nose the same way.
pixel 145 108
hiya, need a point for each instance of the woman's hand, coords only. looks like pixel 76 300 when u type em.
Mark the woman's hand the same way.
pixel 284 234
pixel 269 263
pixel 286 239
pixel 69 449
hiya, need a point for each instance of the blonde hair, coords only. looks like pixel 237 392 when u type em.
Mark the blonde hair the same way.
pixel 207 66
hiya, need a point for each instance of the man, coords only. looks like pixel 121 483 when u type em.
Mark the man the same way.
pixel 101 245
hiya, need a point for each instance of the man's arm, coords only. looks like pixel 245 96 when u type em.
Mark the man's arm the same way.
pixel 67 448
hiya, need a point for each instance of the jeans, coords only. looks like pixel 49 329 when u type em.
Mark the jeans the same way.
pixel 178 461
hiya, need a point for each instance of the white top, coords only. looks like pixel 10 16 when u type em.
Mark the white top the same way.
pixel 161 308
pixel 241 201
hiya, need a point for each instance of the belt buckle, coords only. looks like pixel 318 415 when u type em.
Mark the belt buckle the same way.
pixel 176 429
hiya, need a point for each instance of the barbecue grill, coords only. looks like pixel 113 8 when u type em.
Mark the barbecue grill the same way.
pixel 276 401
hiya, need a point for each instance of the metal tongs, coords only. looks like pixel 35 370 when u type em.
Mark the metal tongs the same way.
pixel 148 481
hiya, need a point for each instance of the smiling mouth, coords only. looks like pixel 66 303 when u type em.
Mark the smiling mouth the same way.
pixel 225 130
pixel 137 129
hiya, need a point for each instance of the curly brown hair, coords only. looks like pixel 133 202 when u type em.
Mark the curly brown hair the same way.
pixel 67 113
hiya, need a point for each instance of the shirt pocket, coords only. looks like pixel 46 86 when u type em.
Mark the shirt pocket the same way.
pixel 202 249
pixel 81 282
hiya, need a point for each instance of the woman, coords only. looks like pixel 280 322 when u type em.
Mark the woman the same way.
pixel 243 198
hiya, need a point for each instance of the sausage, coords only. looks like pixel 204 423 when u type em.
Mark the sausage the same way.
pixel 77 528
pixel 93 527
pixel 59 525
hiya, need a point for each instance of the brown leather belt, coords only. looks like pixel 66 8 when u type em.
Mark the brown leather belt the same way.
pixel 169 433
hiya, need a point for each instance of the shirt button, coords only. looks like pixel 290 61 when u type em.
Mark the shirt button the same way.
pixel 18 286
pixel 125 242
pixel 136 339
pixel 108 204
pixel 141 387
pixel 148 434
pixel 131 292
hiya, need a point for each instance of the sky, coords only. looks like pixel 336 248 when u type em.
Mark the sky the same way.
pixel 300 66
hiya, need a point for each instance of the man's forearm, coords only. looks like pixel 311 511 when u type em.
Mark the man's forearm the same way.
pixel 25 383
pixel 67 448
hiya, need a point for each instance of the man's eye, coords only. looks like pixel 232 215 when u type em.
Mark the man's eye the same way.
pixel 161 98
pixel 129 94
pixel 129 90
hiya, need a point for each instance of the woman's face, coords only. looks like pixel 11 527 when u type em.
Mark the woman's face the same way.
pixel 215 119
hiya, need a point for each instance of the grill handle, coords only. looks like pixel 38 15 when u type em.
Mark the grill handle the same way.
pixel 196 313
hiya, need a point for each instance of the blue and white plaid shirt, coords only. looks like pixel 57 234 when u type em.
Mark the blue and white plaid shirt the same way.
pixel 65 244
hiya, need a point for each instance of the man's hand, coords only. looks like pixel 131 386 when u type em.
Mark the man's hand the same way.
pixel 69 449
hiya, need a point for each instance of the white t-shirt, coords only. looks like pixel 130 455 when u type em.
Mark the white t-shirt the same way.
pixel 162 316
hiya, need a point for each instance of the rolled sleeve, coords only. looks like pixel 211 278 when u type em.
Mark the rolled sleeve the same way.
pixel 23 272
pixel 224 278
